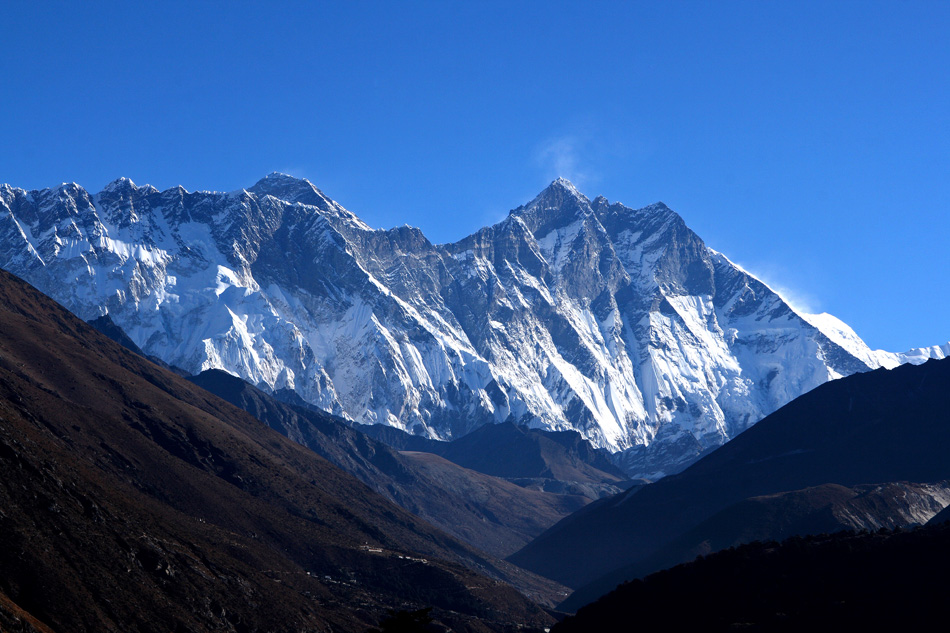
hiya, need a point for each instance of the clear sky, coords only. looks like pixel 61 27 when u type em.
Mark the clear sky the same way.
pixel 808 141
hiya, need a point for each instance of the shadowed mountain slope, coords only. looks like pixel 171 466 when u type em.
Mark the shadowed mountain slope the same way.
pixel 558 461
pixel 132 500
pixel 105 325
pixel 817 510
pixel 843 582
pixel 492 514
pixel 940 517
pixel 508 450
pixel 13 619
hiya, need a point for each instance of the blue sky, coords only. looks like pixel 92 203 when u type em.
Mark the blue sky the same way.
pixel 808 141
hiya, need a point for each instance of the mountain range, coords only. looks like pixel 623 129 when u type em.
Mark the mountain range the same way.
pixel 571 314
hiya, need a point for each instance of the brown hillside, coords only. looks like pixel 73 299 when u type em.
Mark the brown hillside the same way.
pixel 132 500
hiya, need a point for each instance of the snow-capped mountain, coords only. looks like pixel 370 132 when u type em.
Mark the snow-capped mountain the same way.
pixel 842 334
pixel 569 314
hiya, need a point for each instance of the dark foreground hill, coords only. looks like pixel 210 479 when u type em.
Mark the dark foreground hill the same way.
pixel 872 428
pixel 816 510
pixel 133 501
pixel 884 581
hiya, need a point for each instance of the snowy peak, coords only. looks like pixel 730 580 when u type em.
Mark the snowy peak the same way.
pixel 842 334
pixel 300 190
pixel 656 246
pixel 558 205
pixel 557 194
pixel 280 177
pixel 920 355
pixel 119 184
pixel 567 186
pixel 651 219
pixel 124 187
pixel 279 180
pixel 289 188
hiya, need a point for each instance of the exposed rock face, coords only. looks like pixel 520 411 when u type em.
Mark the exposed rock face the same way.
pixel 571 314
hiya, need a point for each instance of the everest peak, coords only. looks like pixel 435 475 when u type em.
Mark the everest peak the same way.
pixel 278 184
pixel 122 186
pixel 293 189
pixel 121 183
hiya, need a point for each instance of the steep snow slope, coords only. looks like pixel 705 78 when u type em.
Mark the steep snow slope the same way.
pixel 570 314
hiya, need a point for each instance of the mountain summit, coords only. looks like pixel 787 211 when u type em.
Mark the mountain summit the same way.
pixel 570 314
pixel 287 188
